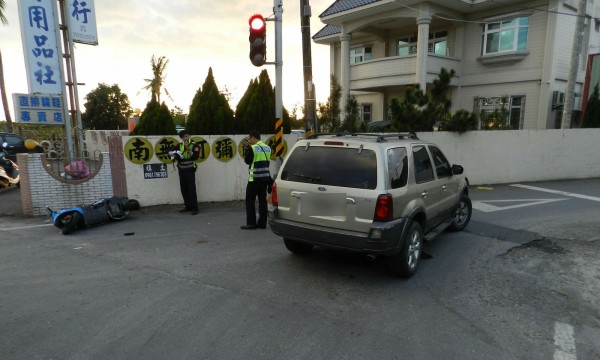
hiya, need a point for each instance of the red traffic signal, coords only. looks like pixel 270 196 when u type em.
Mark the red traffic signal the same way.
pixel 258 40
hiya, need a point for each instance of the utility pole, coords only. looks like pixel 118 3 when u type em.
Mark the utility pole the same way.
pixel 278 11
pixel 74 127
pixel 310 116
pixel 567 115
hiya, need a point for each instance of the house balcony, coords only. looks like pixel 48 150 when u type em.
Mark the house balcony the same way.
pixel 376 74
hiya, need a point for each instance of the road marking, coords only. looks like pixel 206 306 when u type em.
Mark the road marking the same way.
pixel 565 193
pixel 564 339
pixel 25 227
pixel 486 205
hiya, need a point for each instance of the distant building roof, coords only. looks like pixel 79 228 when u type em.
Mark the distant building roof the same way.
pixel 343 5
pixel 338 7
pixel 326 31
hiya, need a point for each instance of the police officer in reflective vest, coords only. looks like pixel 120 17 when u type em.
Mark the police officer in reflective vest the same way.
pixel 257 156
pixel 186 155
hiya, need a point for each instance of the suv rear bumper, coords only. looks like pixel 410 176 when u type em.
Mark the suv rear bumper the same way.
pixel 387 243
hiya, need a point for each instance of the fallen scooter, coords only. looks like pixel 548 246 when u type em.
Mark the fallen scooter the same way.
pixel 100 212
pixel 9 171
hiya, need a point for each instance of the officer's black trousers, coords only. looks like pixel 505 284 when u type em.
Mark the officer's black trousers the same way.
pixel 187 183
pixel 253 190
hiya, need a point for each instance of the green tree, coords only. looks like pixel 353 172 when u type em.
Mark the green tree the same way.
pixel 437 110
pixel 496 119
pixel 178 116
pixel 155 120
pixel 106 108
pixel 419 111
pixel 210 113
pixel 461 122
pixel 407 114
pixel 352 123
pixel 328 113
pixel 155 85
pixel 256 108
pixel 295 121
pixel 591 117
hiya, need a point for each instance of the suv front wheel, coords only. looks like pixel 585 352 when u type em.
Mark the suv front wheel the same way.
pixel 404 264
pixel 462 214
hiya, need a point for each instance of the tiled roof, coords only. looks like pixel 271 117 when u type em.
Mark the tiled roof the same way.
pixel 343 5
pixel 328 30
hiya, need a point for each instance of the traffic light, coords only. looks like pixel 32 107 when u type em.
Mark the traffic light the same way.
pixel 258 40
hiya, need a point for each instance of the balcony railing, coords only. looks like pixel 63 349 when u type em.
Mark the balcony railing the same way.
pixel 396 71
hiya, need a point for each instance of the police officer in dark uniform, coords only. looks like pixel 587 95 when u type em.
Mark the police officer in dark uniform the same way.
pixel 186 155
pixel 257 156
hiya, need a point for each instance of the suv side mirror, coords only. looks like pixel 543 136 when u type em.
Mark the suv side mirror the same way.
pixel 457 169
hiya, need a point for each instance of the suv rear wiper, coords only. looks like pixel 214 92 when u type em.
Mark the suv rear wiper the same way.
pixel 311 178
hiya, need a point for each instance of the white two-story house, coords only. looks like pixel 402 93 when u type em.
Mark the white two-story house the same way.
pixel 517 50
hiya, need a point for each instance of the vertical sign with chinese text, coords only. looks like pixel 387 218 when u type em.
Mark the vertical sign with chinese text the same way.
pixel 41 44
pixel 82 21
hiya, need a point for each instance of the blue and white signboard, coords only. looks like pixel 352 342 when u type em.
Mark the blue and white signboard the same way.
pixel 41 45
pixel 82 21
pixel 39 109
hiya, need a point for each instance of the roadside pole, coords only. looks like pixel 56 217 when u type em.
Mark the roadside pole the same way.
pixel 278 11
pixel 567 116
pixel 310 117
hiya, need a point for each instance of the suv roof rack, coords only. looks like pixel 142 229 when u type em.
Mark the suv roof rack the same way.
pixel 383 137
pixel 380 137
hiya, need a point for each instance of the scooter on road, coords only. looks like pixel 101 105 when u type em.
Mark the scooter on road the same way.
pixel 9 171
pixel 100 212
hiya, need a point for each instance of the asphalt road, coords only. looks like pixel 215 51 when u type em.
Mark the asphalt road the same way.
pixel 522 282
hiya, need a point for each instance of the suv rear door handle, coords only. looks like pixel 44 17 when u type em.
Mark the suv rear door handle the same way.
pixel 444 187
pixel 424 193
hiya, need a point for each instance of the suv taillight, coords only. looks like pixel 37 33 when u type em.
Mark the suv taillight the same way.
pixel 384 209
pixel 274 199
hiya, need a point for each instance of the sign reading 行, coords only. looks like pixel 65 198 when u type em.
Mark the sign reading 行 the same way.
pixel 82 21
pixel 43 109
pixel 41 45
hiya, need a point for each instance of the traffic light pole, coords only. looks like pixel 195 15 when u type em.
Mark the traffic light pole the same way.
pixel 278 10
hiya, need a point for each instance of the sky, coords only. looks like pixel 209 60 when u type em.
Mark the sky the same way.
pixel 194 35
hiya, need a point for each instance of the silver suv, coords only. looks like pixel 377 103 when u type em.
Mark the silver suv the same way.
pixel 372 193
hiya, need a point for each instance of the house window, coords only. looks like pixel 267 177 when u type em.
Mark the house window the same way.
pixel 500 112
pixel 438 44
pixel 361 54
pixel 366 110
pixel 407 46
pixel 503 36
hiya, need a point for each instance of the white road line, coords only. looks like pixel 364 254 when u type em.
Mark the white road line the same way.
pixel 24 227
pixel 565 193
pixel 564 339
pixel 486 205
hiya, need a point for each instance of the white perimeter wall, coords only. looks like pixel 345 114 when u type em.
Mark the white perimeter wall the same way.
pixel 496 157
pixel 489 157
pixel 215 180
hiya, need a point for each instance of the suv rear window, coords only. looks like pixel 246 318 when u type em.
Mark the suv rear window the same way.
pixel 335 166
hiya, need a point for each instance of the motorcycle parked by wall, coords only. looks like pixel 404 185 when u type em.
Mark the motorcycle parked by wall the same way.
pixel 9 171
pixel 100 212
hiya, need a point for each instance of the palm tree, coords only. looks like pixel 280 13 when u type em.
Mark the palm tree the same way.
pixel 156 83
pixel 4 20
